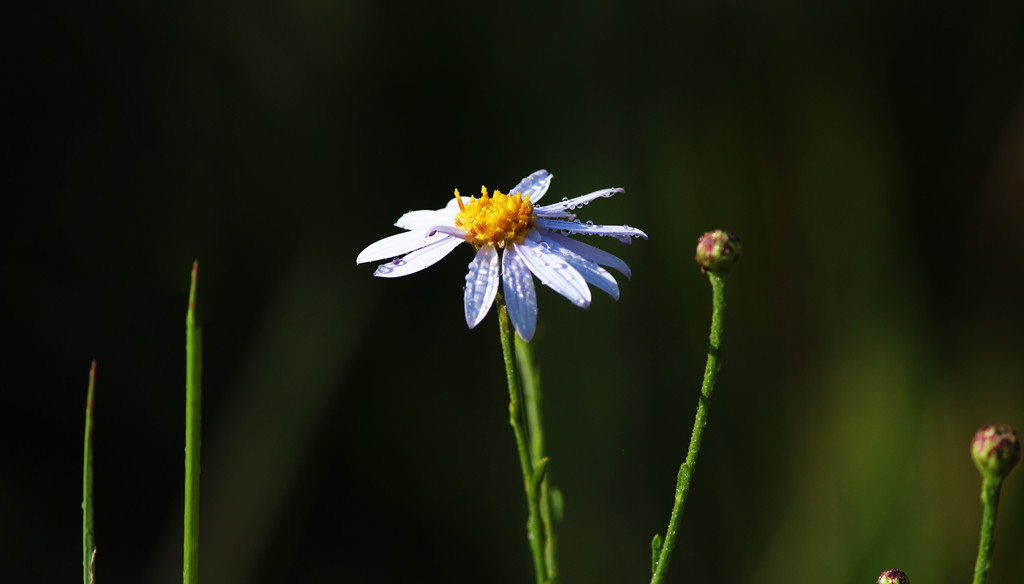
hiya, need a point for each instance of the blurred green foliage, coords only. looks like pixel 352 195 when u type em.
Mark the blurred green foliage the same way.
pixel 869 155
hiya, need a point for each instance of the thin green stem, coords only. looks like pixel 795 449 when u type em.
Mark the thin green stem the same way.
pixel 699 423
pixel 534 531
pixel 534 421
pixel 88 541
pixel 193 437
pixel 990 503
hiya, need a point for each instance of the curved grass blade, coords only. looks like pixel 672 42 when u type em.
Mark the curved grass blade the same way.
pixel 193 438
pixel 88 542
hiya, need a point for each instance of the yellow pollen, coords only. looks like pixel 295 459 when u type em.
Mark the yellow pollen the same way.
pixel 495 219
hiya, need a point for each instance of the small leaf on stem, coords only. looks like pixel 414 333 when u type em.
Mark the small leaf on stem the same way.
pixel 556 504
pixel 656 545
pixel 538 473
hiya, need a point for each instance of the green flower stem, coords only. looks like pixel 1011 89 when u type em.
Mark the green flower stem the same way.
pixel 88 543
pixel 990 503
pixel 532 393
pixel 193 439
pixel 699 423
pixel 533 525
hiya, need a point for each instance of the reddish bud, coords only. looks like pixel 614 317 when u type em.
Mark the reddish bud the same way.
pixel 717 252
pixel 893 577
pixel 995 450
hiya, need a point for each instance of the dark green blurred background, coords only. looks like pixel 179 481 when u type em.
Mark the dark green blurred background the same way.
pixel 870 155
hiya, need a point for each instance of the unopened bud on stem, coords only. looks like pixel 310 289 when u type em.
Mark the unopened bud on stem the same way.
pixel 995 450
pixel 717 252
pixel 893 577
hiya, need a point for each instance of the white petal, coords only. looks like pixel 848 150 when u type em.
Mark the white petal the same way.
pixel 481 284
pixel 520 296
pixel 554 272
pixel 596 255
pixel 448 230
pixel 453 204
pixel 417 219
pixel 561 209
pixel 620 232
pixel 426 219
pixel 534 185
pixel 397 245
pixel 419 259
pixel 591 272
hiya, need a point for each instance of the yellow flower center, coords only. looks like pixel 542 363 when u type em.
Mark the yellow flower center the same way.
pixel 496 219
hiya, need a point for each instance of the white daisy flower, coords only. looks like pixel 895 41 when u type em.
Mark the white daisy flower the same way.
pixel 515 241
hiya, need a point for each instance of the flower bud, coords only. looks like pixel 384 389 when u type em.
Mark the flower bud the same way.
pixel 717 252
pixel 893 577
pixel 995 450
